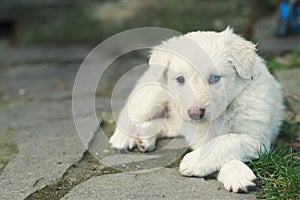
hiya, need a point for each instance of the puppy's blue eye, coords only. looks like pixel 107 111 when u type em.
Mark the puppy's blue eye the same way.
pixel 180 79
pixel 214 79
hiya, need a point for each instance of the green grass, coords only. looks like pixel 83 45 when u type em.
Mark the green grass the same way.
pixel 278 174
pixel 295 55
pixel 278 171
pixel 7 148
pixel 80 172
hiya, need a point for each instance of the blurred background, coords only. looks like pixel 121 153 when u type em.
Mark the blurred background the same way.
pixel 55 22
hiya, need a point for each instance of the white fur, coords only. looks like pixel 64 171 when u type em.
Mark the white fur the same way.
pixel 235 176
pixel 243 111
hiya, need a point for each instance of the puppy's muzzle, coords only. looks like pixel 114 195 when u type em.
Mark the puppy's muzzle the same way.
pixel 196 114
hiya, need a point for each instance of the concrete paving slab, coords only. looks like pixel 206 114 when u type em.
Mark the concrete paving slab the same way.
pixel 119 159
pixel 48 145
pixel 122 74
pixel 22 114
pixel 41 81
pixel 162 184
pixel 290 81
pixel 55 81
pixel 167 152
pixel 45 153
pixel 29 114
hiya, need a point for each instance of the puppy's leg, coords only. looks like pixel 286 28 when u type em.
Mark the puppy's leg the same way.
pixel 150 131
pixel 144 104
pixel 214 154
pixel 123 136
pixel 236 176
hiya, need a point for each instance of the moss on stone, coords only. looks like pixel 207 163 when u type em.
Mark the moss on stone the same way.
pixel 81 171
pixel 7 148
pixel 86 168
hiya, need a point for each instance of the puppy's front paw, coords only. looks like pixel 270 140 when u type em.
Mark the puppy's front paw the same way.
pixel 121 141
pixel 236 176
pixel 147 134
pixel 192 165
pixel 146 144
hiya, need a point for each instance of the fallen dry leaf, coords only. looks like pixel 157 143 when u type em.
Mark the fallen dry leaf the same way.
pixel 62 85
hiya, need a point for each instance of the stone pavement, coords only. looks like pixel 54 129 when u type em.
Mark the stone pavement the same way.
pixel 290 80
pixel 162 184
pixel 36 105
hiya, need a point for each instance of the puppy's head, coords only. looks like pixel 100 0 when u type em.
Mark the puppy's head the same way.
pixel 206 71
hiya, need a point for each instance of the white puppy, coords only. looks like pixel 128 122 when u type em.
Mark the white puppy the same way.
pixel 215 91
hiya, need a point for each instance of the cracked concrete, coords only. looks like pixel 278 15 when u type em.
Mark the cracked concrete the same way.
pixel 39 81
pixel 162 184
pixel 45 153
pixel 37 106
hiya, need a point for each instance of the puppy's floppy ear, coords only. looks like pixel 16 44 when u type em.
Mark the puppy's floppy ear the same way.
pixel 241 53
pixel 159 62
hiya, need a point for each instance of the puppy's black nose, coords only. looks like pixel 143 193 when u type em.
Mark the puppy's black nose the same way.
pixel 196 114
